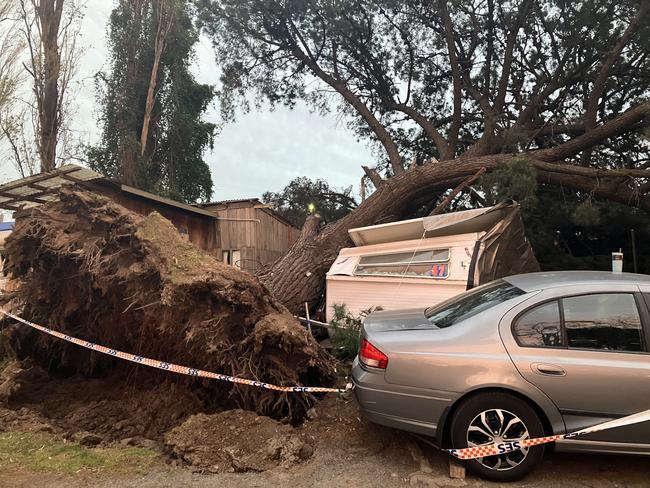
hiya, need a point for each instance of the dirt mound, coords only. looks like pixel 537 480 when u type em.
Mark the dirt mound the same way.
pixel 90 268
pixel 236 440
pixel 107 408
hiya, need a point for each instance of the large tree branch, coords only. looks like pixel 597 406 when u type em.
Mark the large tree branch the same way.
pixel 452 137
pixel 428 127
pixel 463 184
pixel 494 112
pixel 611 128
pixel 163 26
pixel 504 80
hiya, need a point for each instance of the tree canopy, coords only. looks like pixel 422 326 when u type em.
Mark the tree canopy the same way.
pixel 153 134
pixel 445 79
pixel 449 89
pixel 303 196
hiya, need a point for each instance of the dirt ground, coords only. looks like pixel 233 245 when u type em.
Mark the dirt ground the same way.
pixel 334 447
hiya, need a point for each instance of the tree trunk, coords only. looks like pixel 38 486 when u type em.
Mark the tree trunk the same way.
pixel 128 145
pixel 298 276
pixel 162 29
pixel 49 17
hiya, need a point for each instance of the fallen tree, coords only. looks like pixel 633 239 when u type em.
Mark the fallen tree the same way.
pixel 453 87
pixel 89 268
pixel 297 277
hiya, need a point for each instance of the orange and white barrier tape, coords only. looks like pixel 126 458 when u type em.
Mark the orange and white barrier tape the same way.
pixel 175 368
pixel 505 447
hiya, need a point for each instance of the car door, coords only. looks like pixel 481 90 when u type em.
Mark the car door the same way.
pixel 587 349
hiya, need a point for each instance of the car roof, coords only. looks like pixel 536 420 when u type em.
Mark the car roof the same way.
pixel 537 281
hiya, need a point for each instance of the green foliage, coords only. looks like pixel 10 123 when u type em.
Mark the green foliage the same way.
pixel 303 196
pixel 586 214
pixel 172 164
pixel 576 231
pixel 39 451
pixel 346 335
pixel 516 179
pixel 393 55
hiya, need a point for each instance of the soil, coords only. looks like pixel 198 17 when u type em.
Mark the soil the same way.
pixel 88 267
pixel 238 448
pixel 332 447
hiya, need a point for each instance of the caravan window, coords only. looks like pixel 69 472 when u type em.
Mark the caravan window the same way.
pixel 432 263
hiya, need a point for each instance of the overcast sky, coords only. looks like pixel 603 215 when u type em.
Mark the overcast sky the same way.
pixel 261 151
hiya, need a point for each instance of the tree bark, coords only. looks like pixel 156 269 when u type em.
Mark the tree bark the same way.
pixel 162 29
pixel 297 277
pixel 49 18
pixel 463 184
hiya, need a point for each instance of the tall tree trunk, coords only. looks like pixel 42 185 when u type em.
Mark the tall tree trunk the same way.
pixel 128 149
pixel 297 277
pixel 49 17
pixel 162 29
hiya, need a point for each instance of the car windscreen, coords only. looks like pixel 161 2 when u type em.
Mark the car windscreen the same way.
pixel 470 303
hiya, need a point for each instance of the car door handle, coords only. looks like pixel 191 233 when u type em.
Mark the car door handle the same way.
pixel 548 369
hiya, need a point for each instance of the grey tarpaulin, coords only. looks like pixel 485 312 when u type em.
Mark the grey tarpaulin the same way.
pixel 502 251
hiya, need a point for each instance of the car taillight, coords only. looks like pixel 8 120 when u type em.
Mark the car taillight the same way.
pixel 371 356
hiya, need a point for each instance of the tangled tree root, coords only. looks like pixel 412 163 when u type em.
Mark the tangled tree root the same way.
pixel 90 268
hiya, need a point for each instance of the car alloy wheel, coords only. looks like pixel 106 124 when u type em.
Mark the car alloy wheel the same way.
pixel 496 426
pixel 494 416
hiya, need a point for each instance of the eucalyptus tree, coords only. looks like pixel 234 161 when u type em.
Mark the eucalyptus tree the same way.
pixel 151 106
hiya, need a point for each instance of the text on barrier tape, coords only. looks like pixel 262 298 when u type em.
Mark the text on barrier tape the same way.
pixel 175 368
pixel 486 450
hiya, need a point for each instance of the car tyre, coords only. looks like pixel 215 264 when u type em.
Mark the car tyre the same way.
pixel 491 409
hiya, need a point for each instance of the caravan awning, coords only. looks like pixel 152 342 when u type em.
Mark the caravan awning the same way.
pixel 464 222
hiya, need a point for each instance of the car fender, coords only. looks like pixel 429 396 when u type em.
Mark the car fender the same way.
pixel 533 395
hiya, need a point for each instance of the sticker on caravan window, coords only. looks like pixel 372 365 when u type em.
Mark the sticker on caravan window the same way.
pixel 440 270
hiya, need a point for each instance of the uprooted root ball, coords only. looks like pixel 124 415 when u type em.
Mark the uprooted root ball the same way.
pixel 92 269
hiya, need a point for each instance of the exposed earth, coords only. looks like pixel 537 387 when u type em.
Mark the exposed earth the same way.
pixel 333 447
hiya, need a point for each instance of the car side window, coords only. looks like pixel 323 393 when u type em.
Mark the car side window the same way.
pixel 607 321
pixel 540 327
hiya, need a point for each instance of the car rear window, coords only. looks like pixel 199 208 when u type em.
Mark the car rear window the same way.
pixel 471 302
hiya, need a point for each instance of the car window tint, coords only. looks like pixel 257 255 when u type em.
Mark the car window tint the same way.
pixel 471 302
pixel 540 327
pixel 603 321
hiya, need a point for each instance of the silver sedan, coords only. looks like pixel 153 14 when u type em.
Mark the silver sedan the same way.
pixel 522 357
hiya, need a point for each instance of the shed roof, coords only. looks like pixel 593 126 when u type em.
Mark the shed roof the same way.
pixel 38 189
pixel 254 202
pixel 42 188
pixel 464 222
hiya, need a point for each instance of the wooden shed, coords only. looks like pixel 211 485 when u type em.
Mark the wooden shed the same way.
pixel 197 224
pixel 244 233
pixel 252 235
